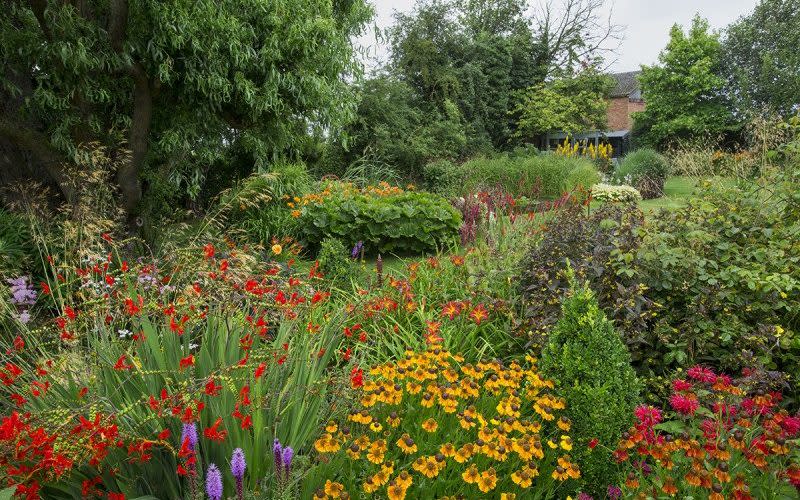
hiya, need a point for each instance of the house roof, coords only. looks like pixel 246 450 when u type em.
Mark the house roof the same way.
pixel 626 84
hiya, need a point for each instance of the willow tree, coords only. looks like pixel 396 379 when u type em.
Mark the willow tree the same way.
pixel 172 82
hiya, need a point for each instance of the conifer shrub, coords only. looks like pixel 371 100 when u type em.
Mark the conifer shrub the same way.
pixel 590 365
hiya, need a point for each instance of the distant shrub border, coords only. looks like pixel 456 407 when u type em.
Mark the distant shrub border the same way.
pixel 385 218
pixel 535 175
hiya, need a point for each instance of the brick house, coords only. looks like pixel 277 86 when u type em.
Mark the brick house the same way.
pixel 624 100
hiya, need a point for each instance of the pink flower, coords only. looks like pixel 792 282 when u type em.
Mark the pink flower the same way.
pixel 701 374
pixel 684 404
pixel 680 385
pixel 648 416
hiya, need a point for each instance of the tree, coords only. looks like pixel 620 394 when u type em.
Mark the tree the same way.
pixel 761 61
pixel 479 53
pixel 177 81
pixel 393 127
pixel 570 105
pixel 684 92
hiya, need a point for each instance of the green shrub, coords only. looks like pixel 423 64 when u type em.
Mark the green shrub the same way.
pixel 333 259
pixel 726 270
pixel 589 364
pixel 544 175
pixel 264 211
pixel 646 170
pixel 442 177
pixel 16 246
pixel 386 219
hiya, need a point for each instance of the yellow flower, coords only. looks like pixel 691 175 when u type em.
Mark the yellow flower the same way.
pixel 430 425
pixel 566 443
pixel 447 450
pixel 471 475
pixel 277 249
pixel 395 491
pixel 487 481
pixel 333 490
pixel 331 427
pixel 508 496
pixel 561 474
pixel 564 424
pixel 406 444
pixel 326 444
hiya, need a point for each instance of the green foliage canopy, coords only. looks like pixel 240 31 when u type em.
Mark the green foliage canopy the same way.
pixel 761 61
pixel 684 92
pixel 178 81
pixel 565 104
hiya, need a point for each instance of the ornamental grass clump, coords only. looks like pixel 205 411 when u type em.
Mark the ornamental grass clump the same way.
pixel 727 439
pixel 588 362
pixel 430 425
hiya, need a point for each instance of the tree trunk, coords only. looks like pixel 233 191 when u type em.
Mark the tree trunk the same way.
pixel 128 173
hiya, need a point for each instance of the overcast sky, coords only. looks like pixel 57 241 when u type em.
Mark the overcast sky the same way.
pixel 646 24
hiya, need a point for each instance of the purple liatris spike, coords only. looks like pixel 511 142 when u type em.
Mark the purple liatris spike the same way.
pixel 238 464
pixel 286 458
pixel 189 432
pixel 277 451
pixel 214 483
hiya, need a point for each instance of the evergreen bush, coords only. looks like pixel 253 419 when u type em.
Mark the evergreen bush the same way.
pixel 590 365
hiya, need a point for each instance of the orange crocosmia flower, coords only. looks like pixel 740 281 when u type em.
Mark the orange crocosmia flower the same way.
pixel 187 361
pixel 479 314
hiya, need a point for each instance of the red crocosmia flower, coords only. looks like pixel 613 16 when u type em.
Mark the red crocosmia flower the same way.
pixel 223 266
pixel 19 344
pixel 346 355
pixel 106 237
pixel 45 288
pixel 164 434
pixel 181 471
pixel 592 443
pixel 82 392
pixel 213 433
pixel 282 360
pixel 356 377
pixel 208 250
pixel 124 266
pixel 18 399
pixel 187 362
pixel 260 370
pixel 121 364
pixel 116 496
pixel 70 312
pixel 247 422
pixel 244 395
pixel 110 280
pixel 212 389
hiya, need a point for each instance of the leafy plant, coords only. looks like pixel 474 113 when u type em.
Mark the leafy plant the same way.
pixel 615 194
pixel 386 219
pixel 16 246
pixel 646 170
pixel 334 260
pixel 590 366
